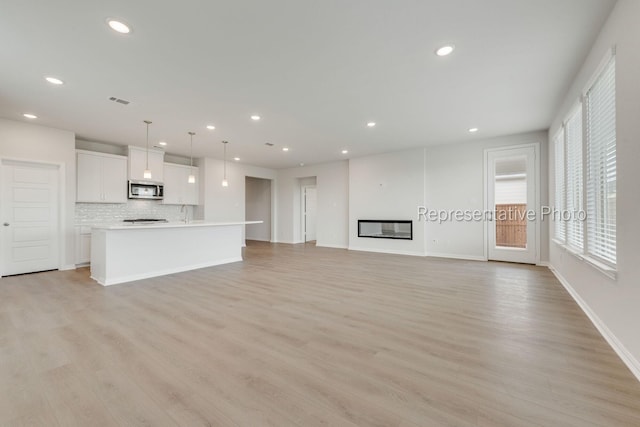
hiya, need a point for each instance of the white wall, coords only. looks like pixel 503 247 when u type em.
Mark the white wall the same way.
pixel 218 203
pixel 614 305
pixel 454 180
pixel 442 177
pixel 387 186
pixel 332 183
pixel 26 141
pixel 258 208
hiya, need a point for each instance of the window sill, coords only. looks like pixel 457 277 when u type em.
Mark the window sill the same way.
pixel 603 268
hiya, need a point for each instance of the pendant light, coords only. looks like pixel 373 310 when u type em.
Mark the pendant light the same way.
pixel 225 183
pixel 147 171
pixel 192 177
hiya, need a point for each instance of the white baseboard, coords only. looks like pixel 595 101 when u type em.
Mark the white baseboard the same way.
pixel 385 251
pixel 544 264
pixel 68 267
pixel 456 256
pixel 632 363
pixel 331 246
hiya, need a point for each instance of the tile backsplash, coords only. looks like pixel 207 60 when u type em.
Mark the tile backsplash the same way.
pixel 101 213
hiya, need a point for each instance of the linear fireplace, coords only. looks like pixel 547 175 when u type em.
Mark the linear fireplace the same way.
pixel 385 229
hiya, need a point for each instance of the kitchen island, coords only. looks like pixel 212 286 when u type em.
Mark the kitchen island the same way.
pixel 124 253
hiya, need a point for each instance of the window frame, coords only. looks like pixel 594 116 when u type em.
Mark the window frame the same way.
pixel 583 253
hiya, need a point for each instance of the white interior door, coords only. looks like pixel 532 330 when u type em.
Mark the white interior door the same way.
pixel 511 196
pixel 30 218
pixel 310 206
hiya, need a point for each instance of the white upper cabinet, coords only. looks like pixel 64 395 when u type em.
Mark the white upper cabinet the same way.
pixel 138 163
pixel 177 189
pixel 101 178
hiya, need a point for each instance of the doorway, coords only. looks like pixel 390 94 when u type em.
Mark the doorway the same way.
pixel 512 226
pixel 30 217
pixel 258 208
pixel 309 207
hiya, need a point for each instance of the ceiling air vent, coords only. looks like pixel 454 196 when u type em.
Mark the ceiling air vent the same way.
pixel 268 144
pixel 119 101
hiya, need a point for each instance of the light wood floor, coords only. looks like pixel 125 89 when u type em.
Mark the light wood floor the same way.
pixel 299 335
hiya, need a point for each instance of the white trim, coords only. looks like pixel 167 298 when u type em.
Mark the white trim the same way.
pixel 62 210
pixel 632 363
pixel 537 154
pixel 610 53
pixel 544 264
pixel 116 156
pixel 485 203
pixel 385 251
pixel 611 273
pixel 62 220
pixel 457 256
pixel 331 246
pixel 303 210
pixel 72 266
pixel 141 276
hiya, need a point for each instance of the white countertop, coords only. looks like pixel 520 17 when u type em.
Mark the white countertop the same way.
pixel 169 225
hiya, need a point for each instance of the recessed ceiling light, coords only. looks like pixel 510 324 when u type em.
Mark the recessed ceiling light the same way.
pixel 472 130
pixel 30 116
pixel 254 117
pixel 237 159
pixel 162 143
pixel 345 151
pixel 371 124
pixel 285 148
pixel 445 50
pixel 54 81
pixel 118 26
pixel 211 127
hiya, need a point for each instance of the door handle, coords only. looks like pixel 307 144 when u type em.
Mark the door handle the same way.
pixel 6 224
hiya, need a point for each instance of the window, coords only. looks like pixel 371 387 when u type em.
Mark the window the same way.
pixel 574 181
pixel 560 226
pixel 600 105
pixel 585 173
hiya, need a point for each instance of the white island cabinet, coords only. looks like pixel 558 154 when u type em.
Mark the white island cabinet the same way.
pixel 124 253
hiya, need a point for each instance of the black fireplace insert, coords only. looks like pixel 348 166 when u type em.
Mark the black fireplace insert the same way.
pixel 385 229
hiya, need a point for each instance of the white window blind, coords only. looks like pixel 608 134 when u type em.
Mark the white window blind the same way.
pixel 600 104
pixel 574 180
pixel 560 226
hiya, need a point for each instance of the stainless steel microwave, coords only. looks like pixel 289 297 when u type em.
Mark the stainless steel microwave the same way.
pixel 145 190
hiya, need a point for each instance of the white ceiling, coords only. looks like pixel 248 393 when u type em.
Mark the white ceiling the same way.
pixel 316 71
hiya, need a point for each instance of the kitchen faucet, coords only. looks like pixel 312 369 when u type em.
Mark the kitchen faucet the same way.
pixel 185 209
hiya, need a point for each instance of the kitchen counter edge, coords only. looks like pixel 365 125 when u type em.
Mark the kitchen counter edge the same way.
pixel 169 225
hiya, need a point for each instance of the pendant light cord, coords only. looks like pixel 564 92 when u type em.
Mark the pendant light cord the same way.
pixel 191 152
pixel 225 159
pixel 148 122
